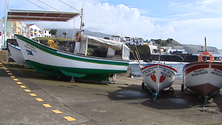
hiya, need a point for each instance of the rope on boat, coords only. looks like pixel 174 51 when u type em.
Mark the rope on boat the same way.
pixel 209 97
pixel 204 106
pixel 154 95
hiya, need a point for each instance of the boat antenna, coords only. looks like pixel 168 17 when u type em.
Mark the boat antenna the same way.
pixel 81 18
pixel 205 40
pixel 160 45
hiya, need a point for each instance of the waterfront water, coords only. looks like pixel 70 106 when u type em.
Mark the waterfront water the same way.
pixel 177 65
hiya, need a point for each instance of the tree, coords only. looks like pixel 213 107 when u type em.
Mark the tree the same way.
pixel 161 42
pixel 169 41
pixel 53 32
pixel 106 37
pixel 158 41
pixel 64 34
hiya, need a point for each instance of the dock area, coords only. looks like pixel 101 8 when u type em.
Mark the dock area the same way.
pixel 32 98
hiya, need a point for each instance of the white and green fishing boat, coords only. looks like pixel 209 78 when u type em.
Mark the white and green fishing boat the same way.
pixel 78 64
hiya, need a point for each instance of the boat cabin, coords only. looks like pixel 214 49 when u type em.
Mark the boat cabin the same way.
pixel 95 46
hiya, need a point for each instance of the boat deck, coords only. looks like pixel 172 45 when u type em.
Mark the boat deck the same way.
pixel 29 97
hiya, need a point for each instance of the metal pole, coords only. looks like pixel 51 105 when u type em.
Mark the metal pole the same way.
pixel 67 30
pixel 205 43
pixel 81 16
pixel 73 30
pixel 4 36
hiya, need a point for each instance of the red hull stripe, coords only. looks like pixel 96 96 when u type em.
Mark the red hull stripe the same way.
pixel 195 67
pixel 153 65
pixel 219 67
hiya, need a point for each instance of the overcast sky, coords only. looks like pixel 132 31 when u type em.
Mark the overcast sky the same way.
pixel 186 21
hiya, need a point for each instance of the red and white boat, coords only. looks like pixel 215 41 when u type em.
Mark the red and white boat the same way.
pixel 158 77
pixel 203 77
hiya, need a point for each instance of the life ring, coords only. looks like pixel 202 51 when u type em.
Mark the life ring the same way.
pixel 78 36
pixel 200 59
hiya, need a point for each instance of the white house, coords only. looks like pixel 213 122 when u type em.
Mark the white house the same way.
pixel 33 31
pixel 45 33
pixel 134 41
pixel 116 38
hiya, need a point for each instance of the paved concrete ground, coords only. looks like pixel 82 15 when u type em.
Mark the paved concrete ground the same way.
pixel 28 97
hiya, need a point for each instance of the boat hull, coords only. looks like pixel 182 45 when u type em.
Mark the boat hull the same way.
pixel 54 62
pixel 203 77
pixel 158 76
pixel 16 54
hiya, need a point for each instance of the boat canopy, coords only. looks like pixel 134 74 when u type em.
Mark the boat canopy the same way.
pixel 115 45
pixel 36 15
pixel 105 42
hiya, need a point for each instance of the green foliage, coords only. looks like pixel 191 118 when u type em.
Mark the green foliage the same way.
pixel 64 34
pixel 141 49
pixel 164 42
pixel 106 37
pixel 169 41
pixel 53 31
pixel 158 41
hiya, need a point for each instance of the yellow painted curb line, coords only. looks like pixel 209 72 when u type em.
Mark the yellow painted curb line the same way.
pixel 13 77
pixel 39 99
pixel 16 80
pixel 32 94
pixel 69 118
pixel 19 83
pixel 47 105
pixel 22 86
pixel 27 90
pixel 57 111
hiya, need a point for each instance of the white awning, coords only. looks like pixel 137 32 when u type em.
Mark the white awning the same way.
pixel 110 43
pixel 35 15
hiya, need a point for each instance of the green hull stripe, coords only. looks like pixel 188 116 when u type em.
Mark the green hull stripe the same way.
pixel 72 56
pixel 75 72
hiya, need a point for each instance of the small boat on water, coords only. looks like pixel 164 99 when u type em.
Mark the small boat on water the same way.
pixel 78 64
pixel 203 77
pixel 157 77
pixel 16 54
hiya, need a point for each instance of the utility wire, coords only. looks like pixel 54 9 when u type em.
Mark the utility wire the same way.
pixel 48 5
pixel 69 5
pixel 36 5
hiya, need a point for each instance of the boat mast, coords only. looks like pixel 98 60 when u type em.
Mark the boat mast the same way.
pixel 205 40
pixel 81 24
pixel 81 17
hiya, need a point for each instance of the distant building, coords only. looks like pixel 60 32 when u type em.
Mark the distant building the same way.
pixel 24 30
pixel 33 31
pixel 45 33
pixel 116 38
pixel 17 27
pixel 165 50
pixel 134 41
